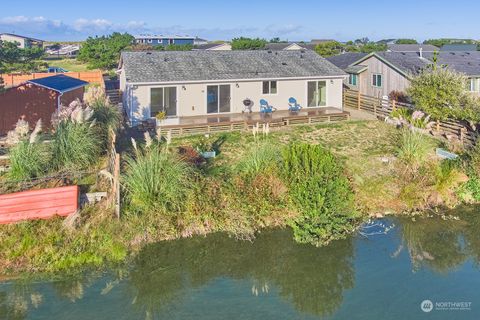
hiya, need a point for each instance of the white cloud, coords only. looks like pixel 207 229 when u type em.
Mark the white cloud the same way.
pixel 81 28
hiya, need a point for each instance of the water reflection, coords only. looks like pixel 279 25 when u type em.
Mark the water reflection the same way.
pixel 312 279
pixel 442 245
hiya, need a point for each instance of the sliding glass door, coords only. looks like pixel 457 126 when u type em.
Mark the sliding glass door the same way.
pixel 218 98
pixel 317 93
pixel 163 100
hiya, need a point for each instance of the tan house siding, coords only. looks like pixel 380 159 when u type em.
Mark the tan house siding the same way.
pixel 192 99
pixel 391 79
pixel 10 38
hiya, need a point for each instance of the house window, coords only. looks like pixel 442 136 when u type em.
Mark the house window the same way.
pixel 473 85
pixel 377 80
pixel 218 99
pixel 317 93
pixel 269 87
pixel 352 80
pixel 163 100
pixel 171 41
pixel 149 40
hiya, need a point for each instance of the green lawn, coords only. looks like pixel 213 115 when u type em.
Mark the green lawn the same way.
pixel 68 64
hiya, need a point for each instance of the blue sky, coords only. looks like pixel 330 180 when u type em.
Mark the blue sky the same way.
pixel 213 19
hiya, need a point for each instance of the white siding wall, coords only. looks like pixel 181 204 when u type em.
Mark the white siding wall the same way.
pixel 192 100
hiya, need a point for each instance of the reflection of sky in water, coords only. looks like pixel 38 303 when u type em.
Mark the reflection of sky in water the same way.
pixel 378 277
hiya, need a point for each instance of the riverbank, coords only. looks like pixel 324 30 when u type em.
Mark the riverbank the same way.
pixel 243 191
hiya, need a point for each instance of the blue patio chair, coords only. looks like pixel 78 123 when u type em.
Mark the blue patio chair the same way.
pixel 293 105
pixel 265 107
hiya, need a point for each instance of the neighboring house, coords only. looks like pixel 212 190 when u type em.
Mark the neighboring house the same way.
pixel 23 42
pixel 345 62
pixel 64 51
pixel 213 46
pixel 161 40
pixel 199 41
pixel 415 48
pixel 379 73
pixel 37 99
pixel 199 83
pixel 289 46
pixel 459 47
pixel 467 63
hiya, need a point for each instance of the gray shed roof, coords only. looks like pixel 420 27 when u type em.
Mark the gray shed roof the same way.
pixel 343 61
pixel 412 47
pixel 185 66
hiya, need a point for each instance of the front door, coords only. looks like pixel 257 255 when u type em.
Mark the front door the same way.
pixel 163 100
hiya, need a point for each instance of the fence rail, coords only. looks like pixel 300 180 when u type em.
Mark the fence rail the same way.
pixel 14 79
pixel 384 107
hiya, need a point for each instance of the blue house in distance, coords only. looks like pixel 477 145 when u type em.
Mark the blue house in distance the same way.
pixel 161 40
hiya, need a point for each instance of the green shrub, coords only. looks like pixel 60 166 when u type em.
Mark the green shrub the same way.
pixel 28 160
pixel 260 157
pixel 76 145
pixel 157 180
pixel 320 191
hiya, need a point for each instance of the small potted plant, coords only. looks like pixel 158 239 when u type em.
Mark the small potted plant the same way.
pixel 204 146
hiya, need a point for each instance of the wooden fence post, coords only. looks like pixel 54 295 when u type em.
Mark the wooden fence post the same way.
pixel 359 100
pixel 116 185
pixel 394 105
pixel 438 125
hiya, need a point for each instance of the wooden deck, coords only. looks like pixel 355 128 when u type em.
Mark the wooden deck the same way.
pixel 245 121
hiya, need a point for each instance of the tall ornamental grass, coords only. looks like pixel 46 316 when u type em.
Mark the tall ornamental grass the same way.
pixel 321 193
pixel 261 157
pixel 156 180
pixel 29 156
pixel 75 145
pixel 413 148
pixel 28 160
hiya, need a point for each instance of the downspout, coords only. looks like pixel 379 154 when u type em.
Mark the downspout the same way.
pixel 59 102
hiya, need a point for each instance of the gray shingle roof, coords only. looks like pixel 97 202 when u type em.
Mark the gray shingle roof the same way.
pixel 184 66
pixel 412 47
pixel 459 47
pixel 409 63
pixel 464 62
pixel 343 61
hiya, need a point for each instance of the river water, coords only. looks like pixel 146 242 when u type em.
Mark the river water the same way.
pixel 376 275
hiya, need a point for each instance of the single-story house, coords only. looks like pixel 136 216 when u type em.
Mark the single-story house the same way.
pixel 162 40
pixel 412 48
pixel 214 46
pixel 23 42
pixel 200 83
pixel 38 99
pixel 199 41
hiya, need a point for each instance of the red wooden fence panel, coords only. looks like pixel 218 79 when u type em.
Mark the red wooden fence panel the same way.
pixel 38 204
